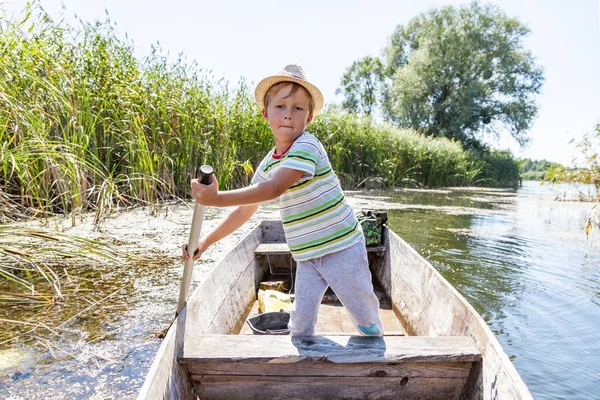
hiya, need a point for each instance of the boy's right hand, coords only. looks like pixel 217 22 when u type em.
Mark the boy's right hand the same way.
pixel 197 254
pixel 206 194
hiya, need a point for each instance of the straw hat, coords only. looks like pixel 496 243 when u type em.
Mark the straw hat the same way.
pixel 290 73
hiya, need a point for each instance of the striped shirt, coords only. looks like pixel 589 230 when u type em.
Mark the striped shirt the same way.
pixel 316 218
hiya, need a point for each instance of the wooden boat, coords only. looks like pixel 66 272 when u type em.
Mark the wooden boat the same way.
pixel 436 346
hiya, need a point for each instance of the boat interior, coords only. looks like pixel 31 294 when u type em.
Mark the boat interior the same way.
pixel 336 362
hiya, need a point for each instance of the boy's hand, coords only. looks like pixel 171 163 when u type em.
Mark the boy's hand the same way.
pixel 197 254
pixel 206 194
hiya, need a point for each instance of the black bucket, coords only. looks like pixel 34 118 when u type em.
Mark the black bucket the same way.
pixel 270 323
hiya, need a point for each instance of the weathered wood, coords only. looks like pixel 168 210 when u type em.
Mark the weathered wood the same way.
pixel 336 349
pixel 376 249
pixel 428 305
pixel 403 369
pixel 277 284
pixel 233 387
pixel 217 306
pixel 278 258
pixel 333 317
pixel 335 367
pixel 166 378
pixel 422 302
pixel 386 333
pixel 272 249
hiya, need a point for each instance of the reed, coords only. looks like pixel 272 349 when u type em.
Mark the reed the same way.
pixel 86 126
pixel 29 266
pixel 360 148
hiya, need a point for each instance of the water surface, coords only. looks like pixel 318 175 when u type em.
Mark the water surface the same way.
pixel 522 259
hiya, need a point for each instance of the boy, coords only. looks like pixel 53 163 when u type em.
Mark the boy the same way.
pixel 321 229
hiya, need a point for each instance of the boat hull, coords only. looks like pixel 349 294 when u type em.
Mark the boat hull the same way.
pixel 424 302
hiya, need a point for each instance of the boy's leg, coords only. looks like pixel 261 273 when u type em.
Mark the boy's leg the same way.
pixel 347 272
pixel 309 290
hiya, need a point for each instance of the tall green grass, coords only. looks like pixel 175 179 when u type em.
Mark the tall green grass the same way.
pixel 360 148
pixel 85 125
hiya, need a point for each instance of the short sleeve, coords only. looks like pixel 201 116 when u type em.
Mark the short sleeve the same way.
pixel 260 175
pixel 303 157
pixel 257 178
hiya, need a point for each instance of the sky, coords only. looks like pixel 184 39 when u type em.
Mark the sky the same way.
pixel 255 39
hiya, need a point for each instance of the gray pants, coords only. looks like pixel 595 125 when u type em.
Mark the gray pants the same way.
pixel 347 272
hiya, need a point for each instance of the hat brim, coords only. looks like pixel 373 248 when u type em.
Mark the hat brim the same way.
pixel 263 87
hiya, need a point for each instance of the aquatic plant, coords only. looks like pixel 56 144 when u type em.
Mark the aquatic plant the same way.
pixel 87 126
pixel 33 268
pixel 360 147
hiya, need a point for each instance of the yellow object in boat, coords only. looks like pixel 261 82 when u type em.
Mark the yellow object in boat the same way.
pixel 272 300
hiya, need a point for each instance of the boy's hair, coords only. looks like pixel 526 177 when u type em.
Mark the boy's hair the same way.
pixel 273 90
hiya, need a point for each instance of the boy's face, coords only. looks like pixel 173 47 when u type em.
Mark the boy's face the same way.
pixel 288 114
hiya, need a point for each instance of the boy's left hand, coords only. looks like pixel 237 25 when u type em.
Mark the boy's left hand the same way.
pixel 206 194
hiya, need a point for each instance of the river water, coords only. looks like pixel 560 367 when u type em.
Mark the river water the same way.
pixel 521 258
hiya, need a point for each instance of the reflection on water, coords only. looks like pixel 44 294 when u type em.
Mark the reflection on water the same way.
pixel 519 257
pixel 531 273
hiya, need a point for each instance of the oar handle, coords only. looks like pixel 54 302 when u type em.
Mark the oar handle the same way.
pixel 205 179
pixel 206 172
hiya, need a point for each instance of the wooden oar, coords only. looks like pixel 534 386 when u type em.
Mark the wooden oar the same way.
pixel 206 173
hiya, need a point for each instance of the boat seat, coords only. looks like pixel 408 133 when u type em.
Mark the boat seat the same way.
pixel 278 258
pixel 274 249
pixel 321 367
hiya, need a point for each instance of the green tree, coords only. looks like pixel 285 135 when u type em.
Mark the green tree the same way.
pixel 526 165
pixel 463 73
pixel 361 85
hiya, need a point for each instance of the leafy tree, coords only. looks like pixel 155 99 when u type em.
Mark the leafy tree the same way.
pixel 526 165
pixel 361 85
pixel 538 165
pixel 463 73
pixel 539 170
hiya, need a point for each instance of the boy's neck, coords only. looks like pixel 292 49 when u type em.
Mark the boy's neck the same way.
pixel 282 147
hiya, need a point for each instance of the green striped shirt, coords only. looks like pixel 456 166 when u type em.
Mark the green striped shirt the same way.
pixel 317 220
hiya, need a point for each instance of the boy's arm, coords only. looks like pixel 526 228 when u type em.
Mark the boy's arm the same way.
pixel 281 181
pixel 232 221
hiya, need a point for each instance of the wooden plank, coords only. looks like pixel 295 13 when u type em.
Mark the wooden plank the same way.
pixel 272 249
pixel 386 333
pixel 227 293
pixel 376 249
pixel 333 317
pixel 408 369
pixel 428 305
pixel 166 378
pixel 336 349
pixel 373 388
pixel 216 306
pixel 278 259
